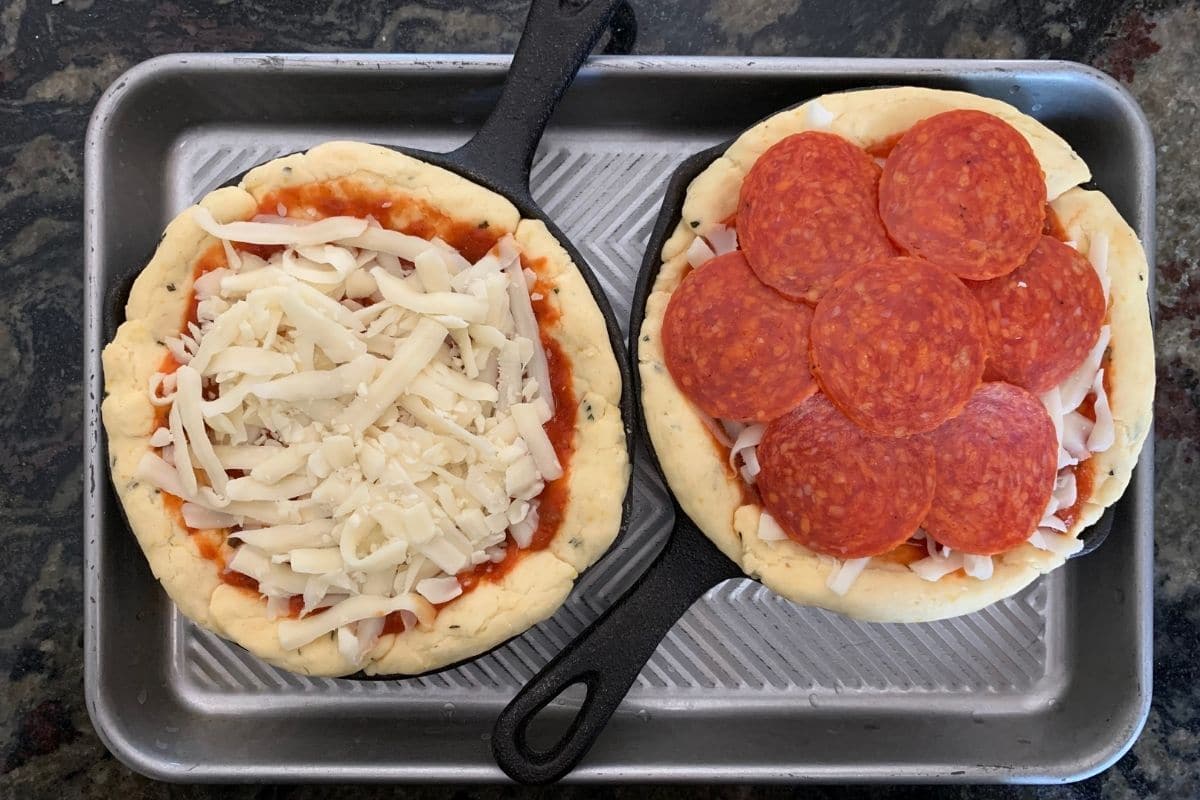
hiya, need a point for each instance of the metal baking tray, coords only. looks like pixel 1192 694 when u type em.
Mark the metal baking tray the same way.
pixel 1050 685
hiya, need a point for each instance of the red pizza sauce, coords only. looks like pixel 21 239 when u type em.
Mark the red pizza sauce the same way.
pixel 1053 226
pixel 904 554
pixel 398 212
pixel 416 218
pixel 883 148
pixel 1085 480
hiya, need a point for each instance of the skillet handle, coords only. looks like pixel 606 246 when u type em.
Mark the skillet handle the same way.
pixel 607 657
pixel 558 36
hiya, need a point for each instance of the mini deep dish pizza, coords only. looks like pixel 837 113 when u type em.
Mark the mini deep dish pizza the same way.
pixel 362 416
pixel 896 360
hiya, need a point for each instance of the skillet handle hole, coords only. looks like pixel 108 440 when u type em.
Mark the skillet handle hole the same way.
pixel 537 740
pixel 545 733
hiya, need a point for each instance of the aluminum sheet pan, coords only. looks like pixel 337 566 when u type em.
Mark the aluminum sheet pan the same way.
pixel 1050 685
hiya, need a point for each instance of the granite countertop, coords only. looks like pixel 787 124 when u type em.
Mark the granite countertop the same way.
pixel 57 57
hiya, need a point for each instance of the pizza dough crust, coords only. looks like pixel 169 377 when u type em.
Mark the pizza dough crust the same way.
pixel 708 489
pixel 492 612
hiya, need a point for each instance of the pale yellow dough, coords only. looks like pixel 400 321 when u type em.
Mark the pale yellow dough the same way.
pixel 710 492
pixel 486 616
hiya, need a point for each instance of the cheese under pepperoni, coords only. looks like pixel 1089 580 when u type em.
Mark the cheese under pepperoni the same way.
pixel 1075 404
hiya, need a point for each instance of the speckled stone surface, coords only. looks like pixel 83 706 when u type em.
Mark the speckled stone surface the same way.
pixel 56 58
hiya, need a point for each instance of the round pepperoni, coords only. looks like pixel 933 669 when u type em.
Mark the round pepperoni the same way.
pixel 996 463
pixel 1044 318
pixel 965 190
pixel 736 348
pixel 898 345
pixel 839 490
pixel 808 211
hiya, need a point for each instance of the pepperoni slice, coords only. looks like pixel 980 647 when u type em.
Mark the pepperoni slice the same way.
pixel 996 463
pixel 898 345
pixel 965 190
pixel 808 211
pixel 1044 318
pixel 736 348
pixel 839 490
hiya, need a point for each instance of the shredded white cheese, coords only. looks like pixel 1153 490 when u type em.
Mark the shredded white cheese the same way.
pixel 1079 384
pixel 845 574
pixel 714 240
pixel 941 561
pixel 721 238
pixel 699 252
pixel 769 530
pixel 1098 256
pixel 368 407
pixel 819 117
pixel 1058 543
pixel 978 567
pixel 746 446
pixel 936 567
pixel 1104 432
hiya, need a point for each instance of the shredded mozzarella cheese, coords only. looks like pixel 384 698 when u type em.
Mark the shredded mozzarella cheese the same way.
pixel 941 561
pixel 819 117
pixel 746 445
pixel 1076 429
pixel 366 408
pixel 1079 384
pixel 1058 543
pixel 978 567
pixel 699 252
pixel 1098 256
pixel 934 568
pixel 845 574
pixel 721 239
pixel 768 529
pixel 1103 433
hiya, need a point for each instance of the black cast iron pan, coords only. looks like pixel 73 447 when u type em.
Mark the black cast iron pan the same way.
pixel 607 657
pixel 558 36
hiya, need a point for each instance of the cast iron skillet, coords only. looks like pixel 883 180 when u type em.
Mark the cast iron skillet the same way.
pixel 557 38
pixel 607 657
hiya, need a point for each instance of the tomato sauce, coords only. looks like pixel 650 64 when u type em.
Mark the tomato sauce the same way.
pixel 1088 407
pixel 396 212
pixel 1085 480
pixel 263 251
pixel 905 554
pixel 883 148
pixel 1053 226
pixel 416 218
